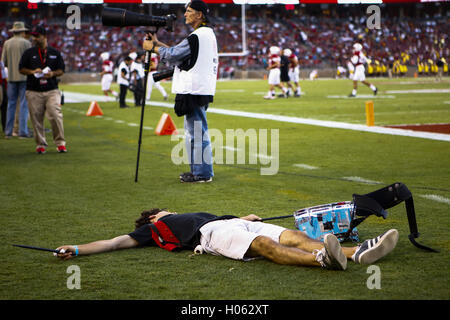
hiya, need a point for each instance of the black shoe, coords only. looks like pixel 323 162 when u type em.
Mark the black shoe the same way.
pixel 186 174
pixel 351 95
pixel 375 91
pixel 124 106
pixel 194 179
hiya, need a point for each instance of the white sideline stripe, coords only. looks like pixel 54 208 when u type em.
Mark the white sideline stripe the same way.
pixel 362 180
pixel 313 122
pixel 435 197
pixel 304 166
pixel 361 96
pixel 420 91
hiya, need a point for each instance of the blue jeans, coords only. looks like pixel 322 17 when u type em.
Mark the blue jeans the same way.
pixel 16 90
pixel 198 144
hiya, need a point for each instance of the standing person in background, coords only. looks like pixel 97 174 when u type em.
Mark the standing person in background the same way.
pixel 123 79
pixel 107 74
pixel 294 71
pixel 137 78
pixel 42 65
pixel 3 95
pixel 356 65
pixel 274 80
pixel 150 83
pixel 194 79
pixel 284 74
pixel 13 50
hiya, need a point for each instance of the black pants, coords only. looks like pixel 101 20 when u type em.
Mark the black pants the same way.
pixel 122 95
pixel 139 92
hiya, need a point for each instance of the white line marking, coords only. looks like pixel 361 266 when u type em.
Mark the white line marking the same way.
pixel 362 180
pixel 361 96
pixel 119 121
pixel 313 122
pixel 147 128
pixel 435 197
pixel 133 124
pixel 304 166
pixel 420 91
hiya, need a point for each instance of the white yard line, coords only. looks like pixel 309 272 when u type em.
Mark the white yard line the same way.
pixel 362 180
pixel 420 91
pixel 288 119
pixel 435 197
pixel 361 96
pixel 305 166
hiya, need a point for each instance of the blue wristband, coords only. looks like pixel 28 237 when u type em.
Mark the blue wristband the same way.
pixel 76 250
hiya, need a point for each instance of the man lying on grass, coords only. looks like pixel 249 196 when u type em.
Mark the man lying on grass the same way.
pixel 238 238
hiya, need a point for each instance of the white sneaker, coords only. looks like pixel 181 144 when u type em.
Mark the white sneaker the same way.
pixel 331 256
pixel 269 97
pixel 374 249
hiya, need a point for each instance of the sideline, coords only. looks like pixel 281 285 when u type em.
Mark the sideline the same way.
pixel 75 97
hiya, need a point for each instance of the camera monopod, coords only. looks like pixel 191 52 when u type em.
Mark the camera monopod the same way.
pixel 146 72
pixel 116 17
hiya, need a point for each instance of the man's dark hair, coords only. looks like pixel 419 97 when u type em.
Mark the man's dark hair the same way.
pixel 144 218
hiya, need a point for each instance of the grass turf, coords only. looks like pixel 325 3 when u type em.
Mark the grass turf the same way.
pixel 90 194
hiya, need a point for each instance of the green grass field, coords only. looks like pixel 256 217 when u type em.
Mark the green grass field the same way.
pixel 90 194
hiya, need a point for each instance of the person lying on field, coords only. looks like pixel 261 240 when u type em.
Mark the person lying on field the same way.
pixel 238 238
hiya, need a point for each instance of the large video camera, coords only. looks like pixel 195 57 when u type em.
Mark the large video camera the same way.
pixel 114 17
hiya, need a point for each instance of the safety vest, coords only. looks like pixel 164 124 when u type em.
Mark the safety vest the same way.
pixel 201 78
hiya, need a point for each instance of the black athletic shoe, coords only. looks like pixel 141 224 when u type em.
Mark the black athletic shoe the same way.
pixel 184 174
pixel 374 249
pixel 194 179
pixel 375 91
pixel 351 95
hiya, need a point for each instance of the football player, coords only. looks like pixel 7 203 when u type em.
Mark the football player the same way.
pixel 356 66
pixel 274 73
pixel 107 75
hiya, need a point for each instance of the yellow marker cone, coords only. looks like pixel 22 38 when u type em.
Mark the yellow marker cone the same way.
pixel 370 115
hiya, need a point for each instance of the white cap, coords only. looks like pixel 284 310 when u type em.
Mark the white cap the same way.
pixel 104 56
pixel 287 52
pixel 274 50
pixel 133 55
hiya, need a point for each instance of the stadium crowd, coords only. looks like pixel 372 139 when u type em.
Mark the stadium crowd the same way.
pixel 318 41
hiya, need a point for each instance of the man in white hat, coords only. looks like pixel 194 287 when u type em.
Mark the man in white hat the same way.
pixel 357 69
pixel 11 54
pixel 107 75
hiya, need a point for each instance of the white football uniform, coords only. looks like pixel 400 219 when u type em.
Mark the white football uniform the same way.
pixel 107 78
pixel 358 60
pixel 294 72
pixel 274 74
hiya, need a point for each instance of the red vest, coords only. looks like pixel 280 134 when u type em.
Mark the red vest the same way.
pixel 164 237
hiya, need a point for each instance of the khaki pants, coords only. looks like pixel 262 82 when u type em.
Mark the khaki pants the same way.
pixel 46 103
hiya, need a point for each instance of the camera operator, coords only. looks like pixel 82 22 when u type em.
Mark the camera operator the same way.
pixel 194 83
pixel 123 79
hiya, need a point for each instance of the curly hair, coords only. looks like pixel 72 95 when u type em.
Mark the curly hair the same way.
pixel 144 218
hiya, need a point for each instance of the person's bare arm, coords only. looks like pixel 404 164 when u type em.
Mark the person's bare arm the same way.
pixel 251 217
pixel 28 72
pixel 120 242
